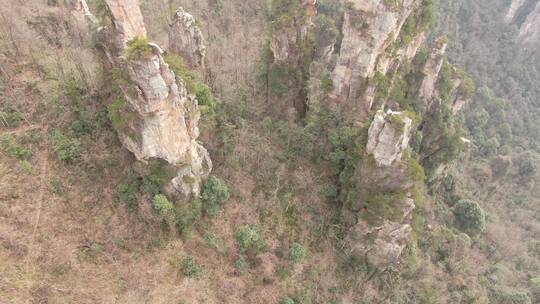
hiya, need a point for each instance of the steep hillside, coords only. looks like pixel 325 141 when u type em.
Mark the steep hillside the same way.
pixel 269 151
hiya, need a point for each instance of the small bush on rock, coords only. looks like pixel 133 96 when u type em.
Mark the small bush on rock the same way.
pixel 138 47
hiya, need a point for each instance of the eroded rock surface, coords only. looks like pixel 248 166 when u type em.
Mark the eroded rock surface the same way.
pixel 128 19
pixel 286 39
pixel 156 118
pixel 431 71
pixel 381 246
pixel 388 137
pixel 526 15
pixel 369 28
pixel 530 30
pixel 513 10
pixel 186 39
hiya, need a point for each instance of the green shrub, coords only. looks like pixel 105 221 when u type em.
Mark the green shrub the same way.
pixel 217 6
pixel 26 166
pixel 187 214
pixel 511 297
pixel 248 239
pixel 327 84
pixel 11 146
pixel 66 148
pixel 286 300
pixel 534 248
pixel 138 48
pixel 202 92
pixel 151 185
pixel 73 88
pixel 214 193
pixel 205 98
pixel 380 206
pixel 470 217
pixel 325 30
pixel 10 118
pixel 285 12
pixel 535 288
pixel 282 78
pixel 190 267
pixel 162 205
pixel 88 122
pixel 297 253
pixel 126 193
pixel 415 170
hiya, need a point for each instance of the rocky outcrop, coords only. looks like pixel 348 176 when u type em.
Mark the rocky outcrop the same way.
pixel 513 10
pixel 404 54
pixel 286 39
pixel 525 14
pixel 430 71
pixel 381 246
pixel 156 118
pixel 388 137
pixel 380 237
pixel 530 29
pixel 127 19
pixel 186 39
pixel 370 27
pixel 81 8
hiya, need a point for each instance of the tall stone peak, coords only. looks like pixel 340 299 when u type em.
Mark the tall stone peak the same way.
pixel 128 19
pixel 369 28
pixel 285 41
pixel 186 39
pixel 156 117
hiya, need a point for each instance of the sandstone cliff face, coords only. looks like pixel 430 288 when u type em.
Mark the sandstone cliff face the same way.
pixel 388 137
pixel 158 118
pixel 431 70
pixel 127 18
pixel 530 29
pixel 526 15
pixel 389 241
pixel 382 245
pixel 513 10
pixel 286 41
pixel 186 39
pixel 369 28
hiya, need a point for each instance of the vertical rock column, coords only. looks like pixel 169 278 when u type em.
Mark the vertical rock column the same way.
pixel 186 39
pixel 380 240
pixel 369 28
pixel 289 45
pixel 156 118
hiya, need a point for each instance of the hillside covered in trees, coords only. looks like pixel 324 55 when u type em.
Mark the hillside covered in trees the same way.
pixel 270 151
